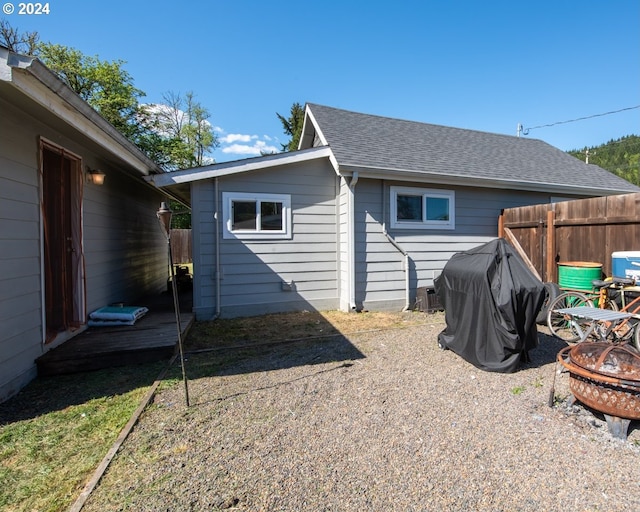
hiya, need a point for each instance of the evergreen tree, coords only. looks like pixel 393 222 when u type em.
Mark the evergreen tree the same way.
pixel 620 156
pixel 293 126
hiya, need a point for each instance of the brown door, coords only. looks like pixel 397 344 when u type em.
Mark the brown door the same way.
pixel 61 212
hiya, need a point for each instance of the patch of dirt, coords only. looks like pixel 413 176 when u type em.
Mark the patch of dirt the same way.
pixel 296 326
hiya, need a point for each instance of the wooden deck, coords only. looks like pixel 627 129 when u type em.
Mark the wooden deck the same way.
pixel 153 338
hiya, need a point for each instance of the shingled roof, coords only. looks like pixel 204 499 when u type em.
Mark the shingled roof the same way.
pixel 400 149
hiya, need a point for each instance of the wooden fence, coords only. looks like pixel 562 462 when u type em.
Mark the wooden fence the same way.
pixel 580 230
pixel 181 246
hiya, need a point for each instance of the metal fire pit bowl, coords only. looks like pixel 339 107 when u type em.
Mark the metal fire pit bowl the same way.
pixel 605 377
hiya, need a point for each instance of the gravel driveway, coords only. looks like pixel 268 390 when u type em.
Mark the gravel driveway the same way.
pixel 373 421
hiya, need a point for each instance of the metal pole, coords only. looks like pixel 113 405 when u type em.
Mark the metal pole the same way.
pixel 164 218
pixel 176 308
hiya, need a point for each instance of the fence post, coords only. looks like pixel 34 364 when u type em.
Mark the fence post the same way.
pixel 181 246
pixel 551 247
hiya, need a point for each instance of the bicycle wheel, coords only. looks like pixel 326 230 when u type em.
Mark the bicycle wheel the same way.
pixel 552 290
pixel 570 330
pixel 636 336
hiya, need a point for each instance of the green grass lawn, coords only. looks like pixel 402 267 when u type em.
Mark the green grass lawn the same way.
pixel 56 431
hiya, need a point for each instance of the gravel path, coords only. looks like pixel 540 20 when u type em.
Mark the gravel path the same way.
pixel 379 421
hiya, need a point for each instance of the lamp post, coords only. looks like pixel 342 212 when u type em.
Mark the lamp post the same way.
pixel 164 217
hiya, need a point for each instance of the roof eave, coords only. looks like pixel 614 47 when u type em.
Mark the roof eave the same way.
pixel 238 167
pixel 20 72
pixel 453 180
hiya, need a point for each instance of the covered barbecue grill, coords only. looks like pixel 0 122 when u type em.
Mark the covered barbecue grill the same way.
pixel 491 300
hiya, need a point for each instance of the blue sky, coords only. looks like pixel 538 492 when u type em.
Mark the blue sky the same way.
pixel 482 65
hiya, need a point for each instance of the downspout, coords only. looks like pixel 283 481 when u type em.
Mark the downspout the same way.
pixel 351 243
pixel 405 254
pixel 216 217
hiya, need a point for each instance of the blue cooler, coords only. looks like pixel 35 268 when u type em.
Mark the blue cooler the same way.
pixel 622 264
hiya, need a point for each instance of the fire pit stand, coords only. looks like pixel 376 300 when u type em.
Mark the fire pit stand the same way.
pixel 605 377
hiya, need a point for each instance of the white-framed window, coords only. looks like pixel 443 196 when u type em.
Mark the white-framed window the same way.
pixel 422 208
pixel 256 216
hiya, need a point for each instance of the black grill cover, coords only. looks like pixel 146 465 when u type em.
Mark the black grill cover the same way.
pixel 491 300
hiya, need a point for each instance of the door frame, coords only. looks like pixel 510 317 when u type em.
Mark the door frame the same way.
pixel 76 320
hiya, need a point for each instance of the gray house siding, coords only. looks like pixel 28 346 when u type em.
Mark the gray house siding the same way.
pixel 203 219
pixel 265 276
pixel 125 252
pixel 380 272
pixel 125 249
pixel 20 282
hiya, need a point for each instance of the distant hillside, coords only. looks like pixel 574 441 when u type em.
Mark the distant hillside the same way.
pixel 621 157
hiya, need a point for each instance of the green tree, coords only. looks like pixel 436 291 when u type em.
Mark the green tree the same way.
pixel 293 126
pixel 104 85
pixel 621 157
pixel 183 125
pixel 181 137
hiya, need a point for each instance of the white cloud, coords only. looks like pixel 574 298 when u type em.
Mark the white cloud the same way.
pixel 257 148
pixel 235 146
pixel 169 117
pixel 237 137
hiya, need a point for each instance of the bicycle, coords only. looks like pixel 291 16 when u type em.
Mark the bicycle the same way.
pixel 572 327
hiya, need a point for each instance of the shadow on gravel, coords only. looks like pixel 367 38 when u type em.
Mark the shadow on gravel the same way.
pixel 272 356
pixel 545 353
pixel 278 384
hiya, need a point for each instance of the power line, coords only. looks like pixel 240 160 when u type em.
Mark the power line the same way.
pixel 525 131
pixel 622 140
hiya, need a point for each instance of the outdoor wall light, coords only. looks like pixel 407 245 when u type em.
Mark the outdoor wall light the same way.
pixel 95 176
